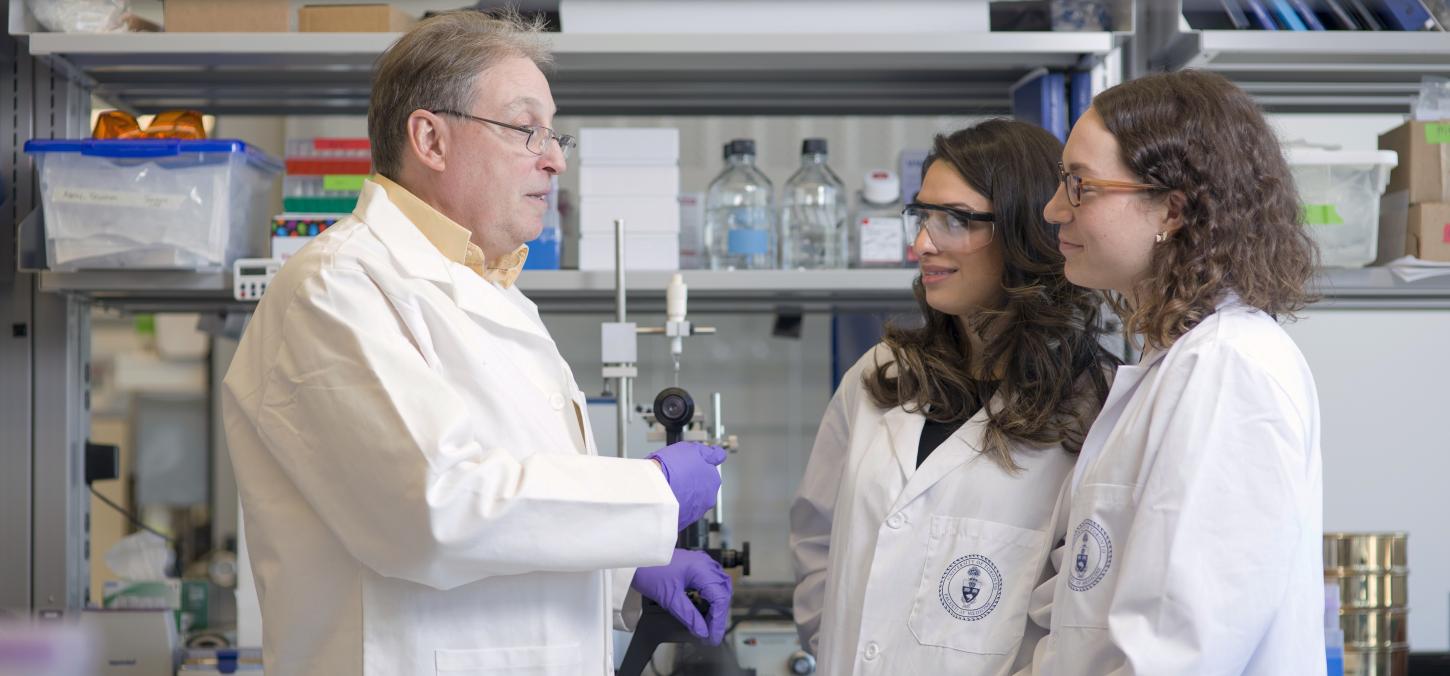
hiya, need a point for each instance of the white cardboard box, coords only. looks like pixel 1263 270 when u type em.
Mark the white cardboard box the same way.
pixel 656 215
pixel 620 181
pixel 868 17
pixel 629 145
pixel 641 252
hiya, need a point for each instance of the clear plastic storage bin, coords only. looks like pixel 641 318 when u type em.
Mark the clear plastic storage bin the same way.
pixel 1341 195
pixel 161 204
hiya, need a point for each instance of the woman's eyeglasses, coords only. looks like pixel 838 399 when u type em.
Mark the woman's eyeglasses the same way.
pixel 1074 185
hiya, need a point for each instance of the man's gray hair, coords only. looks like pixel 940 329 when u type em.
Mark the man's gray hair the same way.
pixel 435 66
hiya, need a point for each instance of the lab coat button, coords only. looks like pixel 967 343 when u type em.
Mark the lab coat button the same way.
pixel 556 400
pixel 872 650
pixel 895 521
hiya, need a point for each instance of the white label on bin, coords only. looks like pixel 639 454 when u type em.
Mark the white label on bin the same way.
pixel 118 198
pixel 882 239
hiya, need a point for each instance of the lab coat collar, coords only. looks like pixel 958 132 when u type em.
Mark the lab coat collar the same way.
pixel 450 238
pixel 1229 302
pixel 418 257
pixel 961 447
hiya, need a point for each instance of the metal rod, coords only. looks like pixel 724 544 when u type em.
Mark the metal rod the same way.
pixel 622 390
pixel 619 270
pixel 717 432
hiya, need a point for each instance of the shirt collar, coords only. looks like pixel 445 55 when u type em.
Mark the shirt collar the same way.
pixel 452 239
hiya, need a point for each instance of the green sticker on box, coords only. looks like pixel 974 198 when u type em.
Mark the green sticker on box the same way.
pixel 340 182
pixel 1437 133
pixel 1322 214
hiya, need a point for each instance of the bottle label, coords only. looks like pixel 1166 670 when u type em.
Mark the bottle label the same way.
pixel 749 242
pixel 883 239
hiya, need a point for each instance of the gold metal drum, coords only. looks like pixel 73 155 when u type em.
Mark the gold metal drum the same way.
pixel 1367 552
pixel 1394 662
pixel 1368 591
pixel 1378 628
pixel 1371 572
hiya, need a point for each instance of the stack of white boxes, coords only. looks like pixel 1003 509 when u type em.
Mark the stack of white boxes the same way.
pixel 634 175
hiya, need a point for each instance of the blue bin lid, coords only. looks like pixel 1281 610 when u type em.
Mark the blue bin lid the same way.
pixel 144 148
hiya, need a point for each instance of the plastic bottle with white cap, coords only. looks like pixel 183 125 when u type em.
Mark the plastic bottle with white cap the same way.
pixel 878 235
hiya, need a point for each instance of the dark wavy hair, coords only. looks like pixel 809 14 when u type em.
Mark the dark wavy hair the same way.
pixel 1041 345
pixel 1207 142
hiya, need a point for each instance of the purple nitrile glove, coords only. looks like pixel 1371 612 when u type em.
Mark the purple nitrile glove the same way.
pixel 689 570
pixel 690 469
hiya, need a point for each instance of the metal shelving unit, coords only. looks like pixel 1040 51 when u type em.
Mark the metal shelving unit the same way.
pixel 1379 289
pixel 710 290
pixel 1304 72
pixel 557 291
pixel 327 73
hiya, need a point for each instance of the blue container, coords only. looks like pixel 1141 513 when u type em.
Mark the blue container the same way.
pixel 170 153
pixel 544 251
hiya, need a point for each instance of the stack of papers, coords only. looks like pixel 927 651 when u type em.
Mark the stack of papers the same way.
pixel 1411 269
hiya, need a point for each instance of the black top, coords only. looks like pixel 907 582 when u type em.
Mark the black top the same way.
pixel 932 435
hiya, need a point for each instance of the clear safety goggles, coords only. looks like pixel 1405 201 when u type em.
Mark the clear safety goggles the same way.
pixel 949 228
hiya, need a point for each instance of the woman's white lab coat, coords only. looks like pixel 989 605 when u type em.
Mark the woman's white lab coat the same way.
pixel 906 570
pixel 419 481
pixel 1194 519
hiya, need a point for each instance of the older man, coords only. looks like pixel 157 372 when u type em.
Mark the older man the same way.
pixel 421 488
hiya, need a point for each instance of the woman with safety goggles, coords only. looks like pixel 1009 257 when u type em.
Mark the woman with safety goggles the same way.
pixel 926 514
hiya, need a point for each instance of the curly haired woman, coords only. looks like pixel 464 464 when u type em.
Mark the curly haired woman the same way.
pixel 1194 511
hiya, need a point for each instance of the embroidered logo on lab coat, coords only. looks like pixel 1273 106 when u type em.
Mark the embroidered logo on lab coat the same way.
pixel 970 588
pixel 1093 557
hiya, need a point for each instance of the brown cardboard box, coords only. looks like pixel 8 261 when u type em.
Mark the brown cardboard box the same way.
pixel 1424 167
pixel 352 19
pixel 1429 236
pixel 227 16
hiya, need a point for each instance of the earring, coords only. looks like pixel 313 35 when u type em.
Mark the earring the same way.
pixel 1160 237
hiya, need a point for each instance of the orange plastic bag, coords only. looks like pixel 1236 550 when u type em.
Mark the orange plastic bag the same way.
pixel 177 124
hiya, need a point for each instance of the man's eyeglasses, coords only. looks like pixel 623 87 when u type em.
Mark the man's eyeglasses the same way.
pixel 1074 183
pixel 957 230
pixel 538 137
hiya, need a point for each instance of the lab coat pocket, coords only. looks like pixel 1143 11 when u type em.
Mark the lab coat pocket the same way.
pixel 1101 514
pixel 560 660
pixel 975 585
